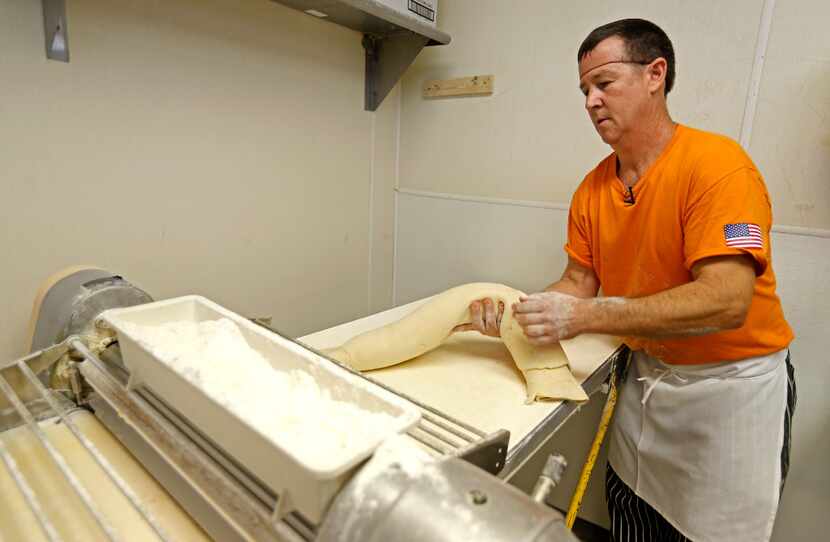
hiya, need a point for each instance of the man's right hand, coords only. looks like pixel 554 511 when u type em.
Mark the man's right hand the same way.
pixel 485 317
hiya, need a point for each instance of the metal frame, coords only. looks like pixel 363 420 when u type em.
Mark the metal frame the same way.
pixel 533 441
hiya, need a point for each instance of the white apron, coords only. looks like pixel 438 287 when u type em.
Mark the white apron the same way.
pixel 702 443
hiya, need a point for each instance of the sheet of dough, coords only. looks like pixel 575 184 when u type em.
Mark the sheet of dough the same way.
pixel 61 504
pixel 545 368
pixel 470 377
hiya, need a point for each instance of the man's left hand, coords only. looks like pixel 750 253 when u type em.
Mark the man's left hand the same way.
pixel 549 317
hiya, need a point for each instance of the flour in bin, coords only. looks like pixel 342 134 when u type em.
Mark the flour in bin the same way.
pixel 288 407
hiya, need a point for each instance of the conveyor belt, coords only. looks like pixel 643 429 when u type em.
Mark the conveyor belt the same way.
pixel 72 506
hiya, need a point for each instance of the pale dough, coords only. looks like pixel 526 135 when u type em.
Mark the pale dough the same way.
pixel 61 504
pixel 545 368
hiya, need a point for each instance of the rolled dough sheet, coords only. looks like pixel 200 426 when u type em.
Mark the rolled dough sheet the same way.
pixel 470 377
pixel 60 503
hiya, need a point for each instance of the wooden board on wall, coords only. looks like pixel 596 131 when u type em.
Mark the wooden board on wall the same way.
pixel 476 85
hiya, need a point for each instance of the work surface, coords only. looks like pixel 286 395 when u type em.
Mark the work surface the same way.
pixel 470 377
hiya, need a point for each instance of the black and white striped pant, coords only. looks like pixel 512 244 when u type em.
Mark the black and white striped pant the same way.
pixel 634 520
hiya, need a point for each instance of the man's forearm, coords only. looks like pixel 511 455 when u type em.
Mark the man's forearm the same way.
pixel 569 287
pixel 688 310
pixel 716 299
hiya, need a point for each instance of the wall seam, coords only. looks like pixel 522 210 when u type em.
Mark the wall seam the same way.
pixel 757 74
pixel 372 165
pixel 777 228
pixel 395 196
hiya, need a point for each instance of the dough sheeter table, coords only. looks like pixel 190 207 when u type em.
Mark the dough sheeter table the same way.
pixel 473 379
pixel 84 457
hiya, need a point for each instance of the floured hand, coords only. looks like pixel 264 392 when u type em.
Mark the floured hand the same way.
pixel 549 317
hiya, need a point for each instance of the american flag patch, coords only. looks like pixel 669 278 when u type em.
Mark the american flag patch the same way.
pixel 743 235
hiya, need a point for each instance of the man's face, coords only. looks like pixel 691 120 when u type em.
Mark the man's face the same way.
pixel 616 90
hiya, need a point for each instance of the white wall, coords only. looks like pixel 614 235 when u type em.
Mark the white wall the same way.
pixel 791 132
pixel 209 146
pixel 444 242
pixel 483 180
pixel 532 140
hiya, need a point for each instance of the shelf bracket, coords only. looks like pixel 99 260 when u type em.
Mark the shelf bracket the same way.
pixel 55 31
pixel 387 58
pixel 392 37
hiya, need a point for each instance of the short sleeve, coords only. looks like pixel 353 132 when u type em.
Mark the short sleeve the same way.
pixel 732 216
pixel 579 229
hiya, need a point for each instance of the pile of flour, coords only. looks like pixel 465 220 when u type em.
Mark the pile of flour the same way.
pixel 288 407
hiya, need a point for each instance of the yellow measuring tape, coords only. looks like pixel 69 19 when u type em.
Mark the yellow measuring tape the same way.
pixel 588 467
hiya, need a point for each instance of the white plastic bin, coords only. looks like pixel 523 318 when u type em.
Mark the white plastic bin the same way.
pixel 299 486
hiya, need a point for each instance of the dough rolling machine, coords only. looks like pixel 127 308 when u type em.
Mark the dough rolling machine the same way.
pixel 87 457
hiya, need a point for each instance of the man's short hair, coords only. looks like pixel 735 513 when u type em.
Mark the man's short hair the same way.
pixel 644 42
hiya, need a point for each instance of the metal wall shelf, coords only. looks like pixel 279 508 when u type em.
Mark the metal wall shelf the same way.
pixel 391 39
pixel 54 30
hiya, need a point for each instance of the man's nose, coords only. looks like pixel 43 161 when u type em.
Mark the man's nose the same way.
pixel 593 99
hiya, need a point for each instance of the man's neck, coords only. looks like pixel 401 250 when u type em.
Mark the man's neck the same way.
pixel 641 148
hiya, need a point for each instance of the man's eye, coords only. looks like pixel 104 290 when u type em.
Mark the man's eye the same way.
pixel 604 84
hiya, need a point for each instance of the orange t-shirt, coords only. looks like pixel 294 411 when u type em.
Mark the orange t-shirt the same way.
pixel 702 197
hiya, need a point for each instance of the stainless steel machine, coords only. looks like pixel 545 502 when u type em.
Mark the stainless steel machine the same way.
pixel 61 406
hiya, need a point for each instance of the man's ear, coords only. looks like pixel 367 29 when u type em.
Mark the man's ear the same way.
pixel 656 74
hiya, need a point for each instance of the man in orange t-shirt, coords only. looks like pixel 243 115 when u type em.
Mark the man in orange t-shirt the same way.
pixel 674 227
